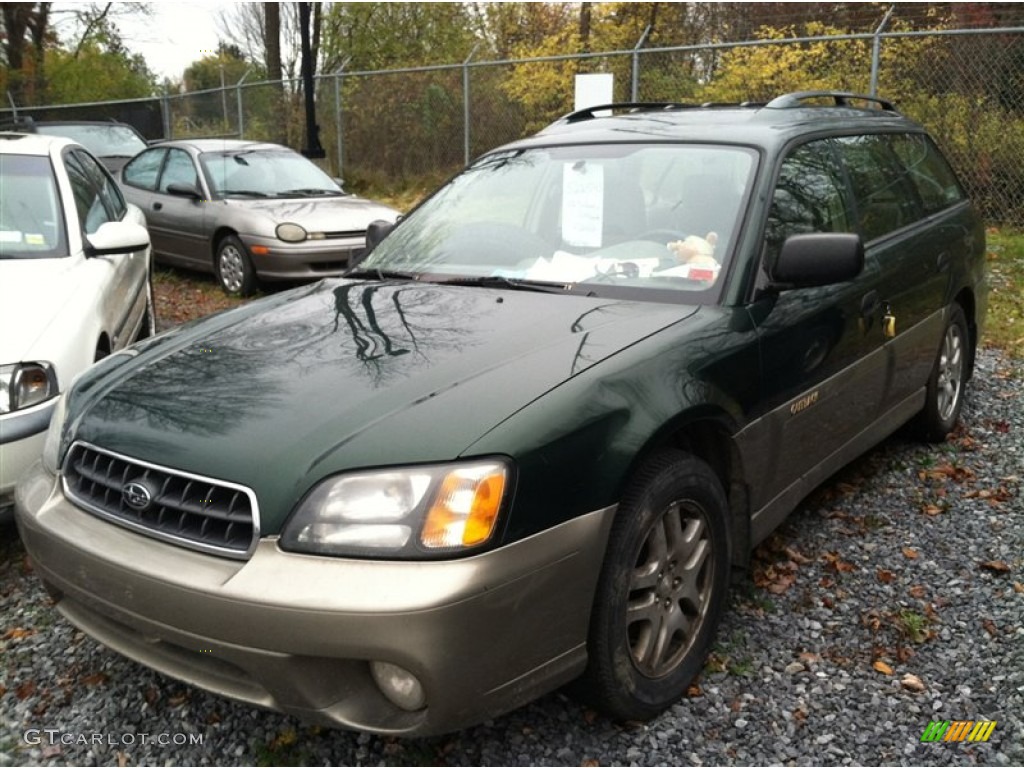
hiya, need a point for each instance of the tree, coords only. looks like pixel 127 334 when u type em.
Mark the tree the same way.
pixel 24 35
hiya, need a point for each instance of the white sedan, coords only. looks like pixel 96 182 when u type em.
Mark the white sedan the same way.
pixel 74 285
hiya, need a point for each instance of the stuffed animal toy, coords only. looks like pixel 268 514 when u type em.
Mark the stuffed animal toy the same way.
pixel 698 251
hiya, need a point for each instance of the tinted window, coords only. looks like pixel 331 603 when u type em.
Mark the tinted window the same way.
pixel 178 170
pixel 928 170
pixel 810 196
pixel 143 170
pixel 113 202
pixel 886 199
pixel 92 209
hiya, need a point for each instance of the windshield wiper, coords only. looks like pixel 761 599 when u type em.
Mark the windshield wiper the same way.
pixel 310 192
pixel 513 283
pixel 382 274
pixel 246 192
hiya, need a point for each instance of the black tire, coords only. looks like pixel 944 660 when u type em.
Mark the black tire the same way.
pixel 233 267
pixel 945 391
pixel 662 589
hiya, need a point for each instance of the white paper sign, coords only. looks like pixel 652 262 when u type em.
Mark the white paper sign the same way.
pixel 582 204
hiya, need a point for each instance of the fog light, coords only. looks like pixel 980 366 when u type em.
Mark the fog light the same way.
pixel 400 686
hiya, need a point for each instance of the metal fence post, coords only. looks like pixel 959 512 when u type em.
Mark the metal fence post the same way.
pixel 238 96
pixel 876 50
pixel 165 103
pixel 339 73
pixel 465 105
pixel 634 88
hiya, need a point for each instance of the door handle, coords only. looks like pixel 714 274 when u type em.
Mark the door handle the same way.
pixel 158 206
pixel 869 304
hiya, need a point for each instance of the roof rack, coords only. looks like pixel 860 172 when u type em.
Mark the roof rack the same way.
pixel 839 99
pixel 589 113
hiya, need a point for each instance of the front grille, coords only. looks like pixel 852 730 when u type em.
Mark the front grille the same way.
pixel 193 511
pixel 345 234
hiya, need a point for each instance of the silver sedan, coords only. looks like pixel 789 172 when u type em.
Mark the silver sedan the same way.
pixel 247 211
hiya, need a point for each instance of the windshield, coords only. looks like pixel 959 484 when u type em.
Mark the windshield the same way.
pixel 658 216
pixel 266 173
pixel 31 224
pixel 101 140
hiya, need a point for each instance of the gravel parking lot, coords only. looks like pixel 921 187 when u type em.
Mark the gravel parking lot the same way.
pixel 894 596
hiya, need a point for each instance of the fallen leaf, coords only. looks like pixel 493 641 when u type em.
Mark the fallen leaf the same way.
pixel 590 763
pixel 996 566
pixel 51 750
pixel 17 633
pixel 910 554
pixel 122 759
pixel 178 699
pixel 97 679
pixel 1018 588
pixel 25 690
pixel 809 658
pixel 885 576
pixel 694 690
pixel 912 683
pixel 990 627
pixel 917 591
pixel 931 509
pixel 881 666
pixel 793 554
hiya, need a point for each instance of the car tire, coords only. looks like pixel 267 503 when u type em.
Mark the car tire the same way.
pixel 944 396
pixel 233 267
pixel 662 589
pixel 148 327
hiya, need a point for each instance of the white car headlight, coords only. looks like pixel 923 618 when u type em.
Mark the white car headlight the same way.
pixel 408 512
pixel 26 384
pixel 290 233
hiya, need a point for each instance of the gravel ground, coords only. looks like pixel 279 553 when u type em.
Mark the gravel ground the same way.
pixel 892 597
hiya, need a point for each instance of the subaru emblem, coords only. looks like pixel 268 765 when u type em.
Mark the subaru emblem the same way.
pixel 136 495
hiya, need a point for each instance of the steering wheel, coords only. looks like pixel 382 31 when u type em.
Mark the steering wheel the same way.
pixel 662 235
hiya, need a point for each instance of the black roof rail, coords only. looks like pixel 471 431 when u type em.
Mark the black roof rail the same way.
pixel 588 113
pixel 839 98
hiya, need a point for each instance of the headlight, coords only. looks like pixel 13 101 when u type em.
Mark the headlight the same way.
pixel 52 446
pixel 290 233
pixel 26 384
pixel 409 512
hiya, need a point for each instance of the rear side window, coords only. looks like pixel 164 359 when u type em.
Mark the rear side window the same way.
pixel 810 196
pixel 885 195
pixel 928 170
pixel 143 170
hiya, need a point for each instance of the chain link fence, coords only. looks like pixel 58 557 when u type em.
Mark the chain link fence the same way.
pixel 387 129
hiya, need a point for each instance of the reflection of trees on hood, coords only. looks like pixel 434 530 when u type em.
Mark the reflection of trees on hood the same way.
pixel 195 390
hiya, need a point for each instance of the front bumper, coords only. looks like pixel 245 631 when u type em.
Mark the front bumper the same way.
pixel 22 435
pixel 275 259
pixel 296 633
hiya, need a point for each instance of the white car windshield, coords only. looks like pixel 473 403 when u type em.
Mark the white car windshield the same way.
pixel 31 223
pixel 654 216
pixel 266 173
pixel 102 140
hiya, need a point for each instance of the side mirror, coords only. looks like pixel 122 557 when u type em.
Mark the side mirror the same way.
pixel 184 190
pixel 808 261
pixel 115 237
pixel 377 231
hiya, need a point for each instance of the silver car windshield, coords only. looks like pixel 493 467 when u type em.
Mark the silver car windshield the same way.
pixel 31 221
pixel 660 216
pixel 266 173
pixel 101 140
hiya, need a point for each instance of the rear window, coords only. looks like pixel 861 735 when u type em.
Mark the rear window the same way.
pixel 31 223
pixel 886 198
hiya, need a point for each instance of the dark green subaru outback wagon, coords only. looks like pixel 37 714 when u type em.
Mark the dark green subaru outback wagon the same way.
pixel 526 439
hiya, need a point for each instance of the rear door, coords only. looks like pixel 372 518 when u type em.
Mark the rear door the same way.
pixel 822 364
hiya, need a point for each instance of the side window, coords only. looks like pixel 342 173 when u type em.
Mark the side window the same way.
pixel 92 212
pixel 111 196
pixel 886 199
pixel 178 170
pixel 928 170
pixel 810 196
pixel 143 170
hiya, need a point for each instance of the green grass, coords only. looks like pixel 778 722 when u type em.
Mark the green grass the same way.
pixel 1004 324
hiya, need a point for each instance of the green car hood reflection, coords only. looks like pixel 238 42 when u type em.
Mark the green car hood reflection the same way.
pixel 279 394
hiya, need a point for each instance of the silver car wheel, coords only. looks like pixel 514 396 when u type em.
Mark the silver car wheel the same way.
pixel 951 372
pixel 670 589
pixel 232 267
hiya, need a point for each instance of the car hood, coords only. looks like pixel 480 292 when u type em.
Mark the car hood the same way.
pixel 32 294
pixel 281 393
pixel 318 214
